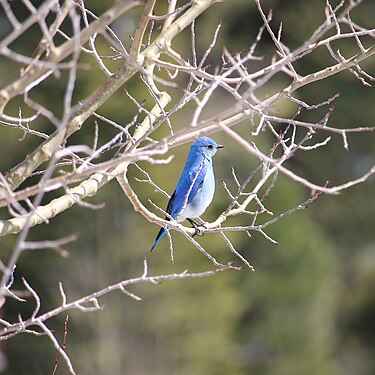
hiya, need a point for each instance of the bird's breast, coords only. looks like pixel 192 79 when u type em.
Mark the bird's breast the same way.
pixel 202 198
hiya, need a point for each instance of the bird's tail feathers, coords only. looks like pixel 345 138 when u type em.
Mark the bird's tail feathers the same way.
pixel 160 235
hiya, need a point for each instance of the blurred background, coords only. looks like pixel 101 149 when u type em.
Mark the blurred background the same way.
pixel 310 306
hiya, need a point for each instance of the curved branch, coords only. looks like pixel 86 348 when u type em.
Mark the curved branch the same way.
pixel 90 302
pixel 82 112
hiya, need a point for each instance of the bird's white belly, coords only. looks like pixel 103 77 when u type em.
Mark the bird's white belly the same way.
pixel 202 199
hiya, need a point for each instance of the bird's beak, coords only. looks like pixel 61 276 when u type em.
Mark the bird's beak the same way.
pixel 219 146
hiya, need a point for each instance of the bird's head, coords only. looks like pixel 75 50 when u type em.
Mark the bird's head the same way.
pixel 205 146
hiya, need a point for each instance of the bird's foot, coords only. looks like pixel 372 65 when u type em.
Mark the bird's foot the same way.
pixel 199 231
pixel 197 228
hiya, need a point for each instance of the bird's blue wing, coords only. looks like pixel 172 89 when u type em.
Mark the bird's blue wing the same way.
pixel 187 187
pixel 190 182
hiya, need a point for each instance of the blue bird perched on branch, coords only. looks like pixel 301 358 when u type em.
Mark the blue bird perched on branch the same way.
pixel 195 188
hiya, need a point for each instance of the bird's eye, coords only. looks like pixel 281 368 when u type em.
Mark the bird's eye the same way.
pixel 210 147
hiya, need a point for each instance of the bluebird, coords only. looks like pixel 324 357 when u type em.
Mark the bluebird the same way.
pixel 195 188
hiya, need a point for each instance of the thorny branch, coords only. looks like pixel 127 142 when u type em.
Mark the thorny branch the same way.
pixel 87 304
pixel 90 302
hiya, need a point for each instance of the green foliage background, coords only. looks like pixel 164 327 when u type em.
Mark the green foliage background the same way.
pixel 308 309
